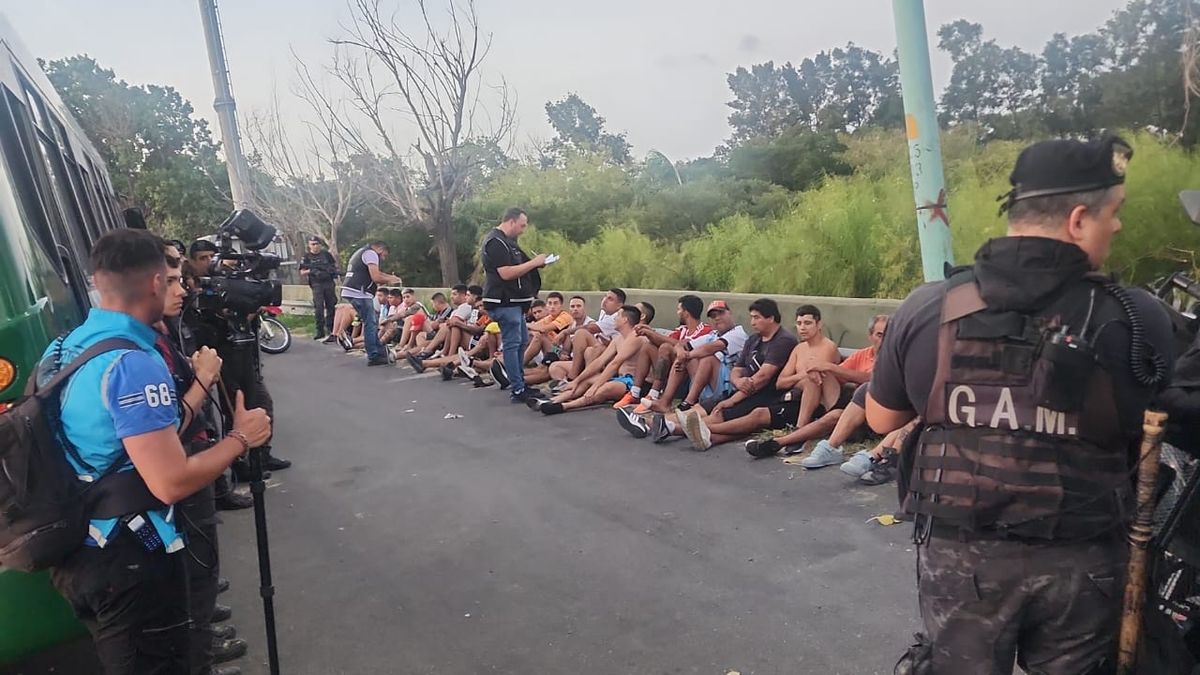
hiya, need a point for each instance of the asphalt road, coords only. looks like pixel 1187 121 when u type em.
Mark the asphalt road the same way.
pixel 506 542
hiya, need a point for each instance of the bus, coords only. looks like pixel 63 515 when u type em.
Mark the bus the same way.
pixel 56 200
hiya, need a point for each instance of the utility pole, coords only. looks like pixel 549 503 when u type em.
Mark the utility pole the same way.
pixel 924 146
pixel 239 172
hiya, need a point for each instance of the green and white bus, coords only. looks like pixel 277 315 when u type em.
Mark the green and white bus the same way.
pixel 56 199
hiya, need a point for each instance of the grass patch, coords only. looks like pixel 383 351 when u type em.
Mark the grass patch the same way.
pixel 297 323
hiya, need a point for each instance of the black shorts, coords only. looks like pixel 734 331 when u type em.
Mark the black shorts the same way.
pixel 786 411
pixel 767 398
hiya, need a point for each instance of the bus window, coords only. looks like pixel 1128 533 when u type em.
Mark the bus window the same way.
pixel 21 170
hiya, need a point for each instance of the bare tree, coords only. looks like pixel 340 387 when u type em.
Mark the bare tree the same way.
pixel 431 79
pixel 311 189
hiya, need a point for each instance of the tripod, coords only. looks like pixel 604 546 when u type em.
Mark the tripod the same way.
pixel 258 489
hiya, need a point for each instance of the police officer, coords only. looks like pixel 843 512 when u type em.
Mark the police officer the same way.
pixel 118 412
pixel 363 276
pixel 320 269
pixel 1030 374
pixel 512 284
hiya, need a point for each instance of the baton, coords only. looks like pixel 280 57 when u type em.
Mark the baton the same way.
pixel 1139 538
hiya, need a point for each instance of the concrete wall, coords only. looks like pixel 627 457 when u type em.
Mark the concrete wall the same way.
pixel 845 319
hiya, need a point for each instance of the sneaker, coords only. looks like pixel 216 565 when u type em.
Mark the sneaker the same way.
pixel 523 396
pixel 479 382
pixel 319 336
pixel 878 475
pixel 380 362
pixel 346 342
pixel 882 470
pixel 823 455
pixel 416 363
pixel 857 465
pixel 329 339
pixel 499 374
pixel 533 402
pixel 391 355
pixel 760 449
pixel 463 359
pixel 683 405
pixel 559 386
pixel 632 423
pixel 643 408
pixel 659 432
pixel 447 372
pixel 626 401
pixel 469 372
pixel 695 429
pixel 551 408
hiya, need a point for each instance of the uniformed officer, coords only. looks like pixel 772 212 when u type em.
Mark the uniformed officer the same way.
pixel 126 581
pixel 1030 374
pixel 320 270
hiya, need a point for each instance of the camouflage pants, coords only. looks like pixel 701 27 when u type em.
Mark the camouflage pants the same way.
pixel 1054 608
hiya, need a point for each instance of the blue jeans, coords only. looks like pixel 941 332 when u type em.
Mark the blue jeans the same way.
pixel 370 327
pixel 515 335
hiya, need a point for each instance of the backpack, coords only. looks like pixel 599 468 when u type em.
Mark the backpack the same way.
pixel 44 507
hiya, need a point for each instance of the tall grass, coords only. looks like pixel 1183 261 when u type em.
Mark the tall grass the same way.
pixel 856 236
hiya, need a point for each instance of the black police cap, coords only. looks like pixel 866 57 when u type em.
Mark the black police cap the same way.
pixel 1065 166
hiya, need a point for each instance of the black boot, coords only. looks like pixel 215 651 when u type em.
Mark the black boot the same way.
pixel 228 650
pixel 273 463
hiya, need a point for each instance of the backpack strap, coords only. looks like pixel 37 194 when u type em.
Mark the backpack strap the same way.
pixel 101 347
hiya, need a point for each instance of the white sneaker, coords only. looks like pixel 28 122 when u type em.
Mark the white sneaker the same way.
pixel 463 358
pixel 694 428
pixel 823 455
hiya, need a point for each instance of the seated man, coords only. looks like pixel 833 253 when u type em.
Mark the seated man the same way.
pixel 608 376
pixel 461 334
pixel 842 425
pixel 660 348
pixel 647 311
pixel 460 298
pixel 702 366
pixel 389 326
pixel 589 340
pixel 543 332
pixel 565 341
pixel 756 403
pixel 805 377
pixel 423 324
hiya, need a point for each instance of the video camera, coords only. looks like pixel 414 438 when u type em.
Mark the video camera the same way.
pixel 238 283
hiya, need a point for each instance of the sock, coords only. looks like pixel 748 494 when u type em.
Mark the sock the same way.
pixel 636 392
pixel 670 425
pixel 654 394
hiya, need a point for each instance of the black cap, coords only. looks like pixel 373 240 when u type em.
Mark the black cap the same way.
pixel 315 240
pixel 1064 166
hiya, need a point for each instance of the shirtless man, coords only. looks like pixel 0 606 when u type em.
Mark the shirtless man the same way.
pixel 423 325
pixel 589 340
pixel 608 376
pixel 807 373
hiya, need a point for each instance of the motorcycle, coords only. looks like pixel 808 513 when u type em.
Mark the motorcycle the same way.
pixel 273 336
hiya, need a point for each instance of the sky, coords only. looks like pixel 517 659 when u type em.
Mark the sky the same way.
pixel 655 69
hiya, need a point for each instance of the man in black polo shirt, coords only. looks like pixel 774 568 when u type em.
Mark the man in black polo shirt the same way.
pixel 512 285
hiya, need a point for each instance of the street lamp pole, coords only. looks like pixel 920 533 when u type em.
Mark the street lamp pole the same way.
pixel 235 161
pixel 924 146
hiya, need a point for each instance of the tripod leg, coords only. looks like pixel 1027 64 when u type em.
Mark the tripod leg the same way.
pixel 258 489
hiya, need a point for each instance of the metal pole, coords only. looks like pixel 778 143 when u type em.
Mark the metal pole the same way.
pixel 924 146
pixel 235 162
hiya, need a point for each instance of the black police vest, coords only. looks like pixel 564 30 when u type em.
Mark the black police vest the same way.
pixel 1022 436
pixel 358 274
pixel 498 292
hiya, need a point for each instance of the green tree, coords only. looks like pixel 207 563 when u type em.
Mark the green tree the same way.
pixel 579 129
pixel 989 83
pixel 795 160
pixel 162 158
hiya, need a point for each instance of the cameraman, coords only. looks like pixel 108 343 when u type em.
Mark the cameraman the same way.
pixel 197 514
pixel 320 269
pixel 126 582
pixel 363 276
pixel 241 368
